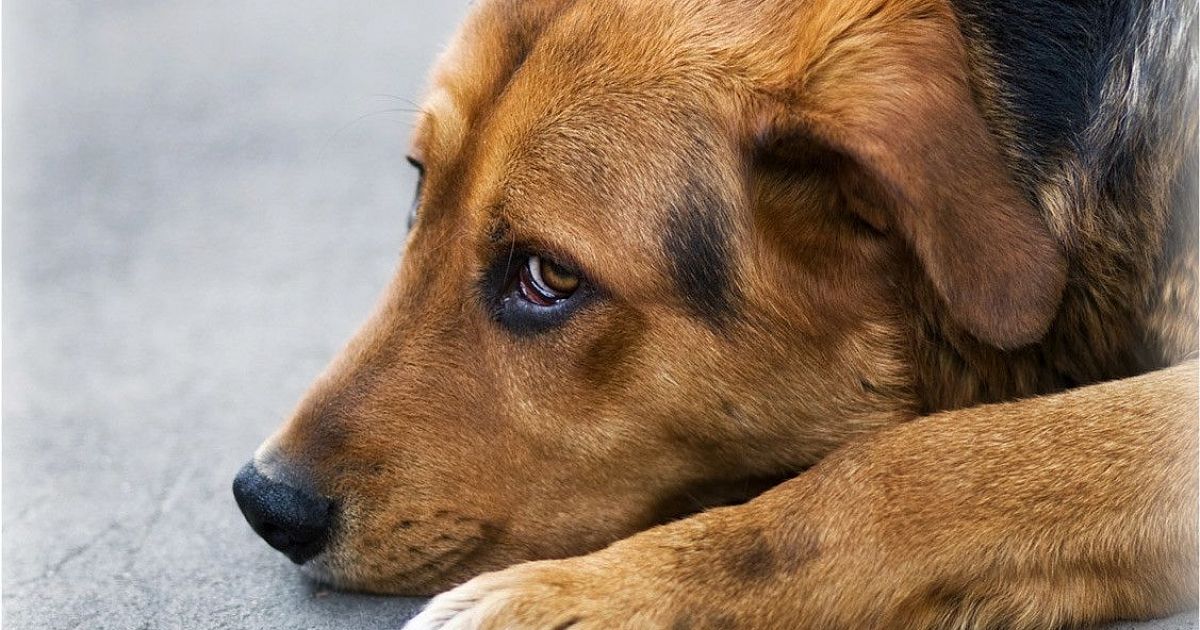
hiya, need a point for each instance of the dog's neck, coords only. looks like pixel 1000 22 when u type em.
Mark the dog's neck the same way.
pixel 954 370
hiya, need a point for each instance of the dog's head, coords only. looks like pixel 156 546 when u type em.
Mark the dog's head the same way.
pixel 664 253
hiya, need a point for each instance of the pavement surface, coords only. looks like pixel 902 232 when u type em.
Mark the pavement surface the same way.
pixel 201 201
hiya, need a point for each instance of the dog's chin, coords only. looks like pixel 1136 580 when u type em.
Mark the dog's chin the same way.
pixel 322 571
pixel 317 569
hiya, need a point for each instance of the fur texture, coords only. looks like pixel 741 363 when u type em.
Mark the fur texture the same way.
pixel 818 239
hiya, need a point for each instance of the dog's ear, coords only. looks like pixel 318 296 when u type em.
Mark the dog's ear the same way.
pixel 893 99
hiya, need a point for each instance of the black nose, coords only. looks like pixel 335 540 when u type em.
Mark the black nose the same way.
pixel 291 520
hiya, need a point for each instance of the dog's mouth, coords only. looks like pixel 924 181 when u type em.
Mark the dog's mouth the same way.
pixel 376 552
pixel 422 556
pixel 387 544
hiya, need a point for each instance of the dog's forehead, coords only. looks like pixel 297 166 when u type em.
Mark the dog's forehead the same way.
pixel 594 152
pixel 547 77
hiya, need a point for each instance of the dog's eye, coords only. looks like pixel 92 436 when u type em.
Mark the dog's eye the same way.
pixel 529 293
pixel 416 204
pixel 545 283
pixel 417 164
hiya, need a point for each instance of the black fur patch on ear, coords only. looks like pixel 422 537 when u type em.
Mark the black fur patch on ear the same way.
pixel 697 247
pixel 1052 59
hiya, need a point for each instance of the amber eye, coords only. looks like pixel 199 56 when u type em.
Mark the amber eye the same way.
pixel 544 282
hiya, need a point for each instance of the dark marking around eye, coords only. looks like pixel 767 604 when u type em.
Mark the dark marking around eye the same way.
pixel 498 231
pixel 697 246
pixel 500 292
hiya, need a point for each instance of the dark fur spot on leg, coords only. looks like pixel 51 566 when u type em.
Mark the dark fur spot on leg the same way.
pixel 797 548
pixel 941 603
pixel 752 558
pixel 697 246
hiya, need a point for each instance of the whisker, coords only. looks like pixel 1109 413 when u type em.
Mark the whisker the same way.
pixel 342 129
pixel 398 98
pixel 512 246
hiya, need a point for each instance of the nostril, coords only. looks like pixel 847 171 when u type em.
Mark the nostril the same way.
pixel 292 520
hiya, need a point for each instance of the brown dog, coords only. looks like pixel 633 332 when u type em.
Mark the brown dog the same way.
pixel 671 253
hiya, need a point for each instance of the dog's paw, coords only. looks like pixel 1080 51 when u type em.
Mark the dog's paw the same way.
pixel 546 595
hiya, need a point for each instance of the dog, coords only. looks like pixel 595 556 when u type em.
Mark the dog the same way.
pixel 776 314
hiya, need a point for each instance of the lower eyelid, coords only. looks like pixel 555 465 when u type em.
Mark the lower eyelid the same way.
pixel 532 296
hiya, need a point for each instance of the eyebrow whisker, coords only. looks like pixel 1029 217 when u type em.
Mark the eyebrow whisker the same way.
pixel 338 132
pixel 512 246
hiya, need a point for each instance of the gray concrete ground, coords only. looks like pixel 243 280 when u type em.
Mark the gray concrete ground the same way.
pixel 201 201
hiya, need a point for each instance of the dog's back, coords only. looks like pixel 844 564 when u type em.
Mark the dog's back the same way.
pixel 1094 105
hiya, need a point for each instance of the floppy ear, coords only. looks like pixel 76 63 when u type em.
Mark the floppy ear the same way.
pixel 893 97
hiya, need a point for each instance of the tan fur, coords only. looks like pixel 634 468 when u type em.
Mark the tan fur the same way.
pixel 884 265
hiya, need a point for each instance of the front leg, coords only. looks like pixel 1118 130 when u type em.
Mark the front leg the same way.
pixel 1052 512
